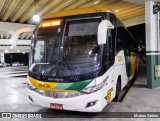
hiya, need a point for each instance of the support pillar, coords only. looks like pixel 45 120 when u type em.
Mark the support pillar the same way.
pixel 2 57
pixel 152 45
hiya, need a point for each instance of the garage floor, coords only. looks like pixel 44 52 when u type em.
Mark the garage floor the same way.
pixel 13 97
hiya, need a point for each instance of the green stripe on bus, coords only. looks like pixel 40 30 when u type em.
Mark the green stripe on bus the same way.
pixel 63 86
pixel 80 85
pixel 73 86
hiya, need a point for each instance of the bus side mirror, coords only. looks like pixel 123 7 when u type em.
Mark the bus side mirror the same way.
pixel 102 31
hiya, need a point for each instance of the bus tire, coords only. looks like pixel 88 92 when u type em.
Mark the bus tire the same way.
pixel 135 74
pixel 118 89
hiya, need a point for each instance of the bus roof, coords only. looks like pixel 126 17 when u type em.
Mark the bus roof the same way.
pixel 75 12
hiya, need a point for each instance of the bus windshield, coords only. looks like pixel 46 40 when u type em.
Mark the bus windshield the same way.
pixel 67 52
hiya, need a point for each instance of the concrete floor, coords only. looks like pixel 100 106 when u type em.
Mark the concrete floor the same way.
pixel 13 98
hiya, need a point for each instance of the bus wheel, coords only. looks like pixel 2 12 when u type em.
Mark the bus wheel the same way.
pixel 118 89
pixel 135 74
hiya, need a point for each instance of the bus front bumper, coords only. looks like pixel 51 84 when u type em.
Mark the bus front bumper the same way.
pixel 93 102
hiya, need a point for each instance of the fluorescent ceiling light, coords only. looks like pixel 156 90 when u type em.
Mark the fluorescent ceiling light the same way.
pixel 36 18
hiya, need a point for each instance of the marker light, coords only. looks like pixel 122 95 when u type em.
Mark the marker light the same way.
pixel 50 23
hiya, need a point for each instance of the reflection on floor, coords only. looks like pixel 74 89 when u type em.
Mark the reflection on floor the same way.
pixel 18 71
pixel 13 90
pixel 13 97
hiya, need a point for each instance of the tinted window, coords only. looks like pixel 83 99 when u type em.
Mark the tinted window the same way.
pixel 124 39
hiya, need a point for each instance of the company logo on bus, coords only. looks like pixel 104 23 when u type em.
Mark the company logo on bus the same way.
pixel 56 80
pixel 55 95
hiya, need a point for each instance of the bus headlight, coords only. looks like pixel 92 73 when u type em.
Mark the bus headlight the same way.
pixel 93 89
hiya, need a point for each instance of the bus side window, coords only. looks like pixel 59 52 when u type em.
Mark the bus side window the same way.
pixel 113 45
pixel 120 38
pixel 130 43
pixel 117 34
pixel 108 53
pixel 113 20
pixel 124 39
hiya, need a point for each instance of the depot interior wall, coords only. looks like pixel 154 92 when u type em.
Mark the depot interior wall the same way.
pixel 12 27
pixel 15 29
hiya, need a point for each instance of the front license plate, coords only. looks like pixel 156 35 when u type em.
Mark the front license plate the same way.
pixel 56 106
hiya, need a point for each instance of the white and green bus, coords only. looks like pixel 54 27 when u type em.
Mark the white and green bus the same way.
pixel 80 60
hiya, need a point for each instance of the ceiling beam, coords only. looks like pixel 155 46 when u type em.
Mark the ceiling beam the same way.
pixel 61 5
pixel 5 6
pixel 120 5
pixel 91 3
pixel 23 10
pixel 16 9
pixel 26 4
pixel 132 15
pixel 128 9
pixel 134 10
pixel 140 2
pixel 114 6
pixel 50 5
pixel 2 4
pixel 32 10
pixel 11 8
pixel 76 4
pixel 106 3
pixel 124 9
